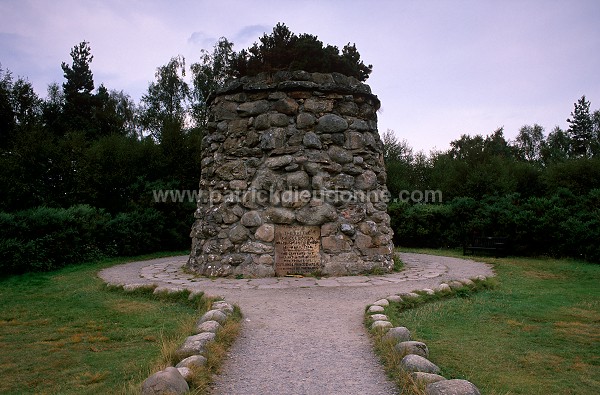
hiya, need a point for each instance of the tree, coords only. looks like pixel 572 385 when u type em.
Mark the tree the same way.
pixel 7 116
pixel 52 109
pixel 557 147
pixel 467 148
pixel 496 145
pixel 20 108
pixel 528 143
pixel 391 147
pixel 596 133
pixel 581 129
pixel 209 74
pixel 164 106
pixel 78 87
pixel 79 77
pixel 352 65
pixel 113 113
pixel 284 50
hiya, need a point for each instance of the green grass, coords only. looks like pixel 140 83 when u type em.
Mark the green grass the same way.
pixel 536 332
pixel 64 332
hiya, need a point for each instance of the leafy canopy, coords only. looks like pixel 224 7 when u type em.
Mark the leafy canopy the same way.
pixel 284 50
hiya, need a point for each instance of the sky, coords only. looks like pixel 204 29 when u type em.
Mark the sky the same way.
pixel 440 68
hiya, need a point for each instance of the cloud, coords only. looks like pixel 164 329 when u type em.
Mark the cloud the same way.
pixel 249 34
pixel 202 40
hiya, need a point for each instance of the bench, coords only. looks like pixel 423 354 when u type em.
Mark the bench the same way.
pixel 487 244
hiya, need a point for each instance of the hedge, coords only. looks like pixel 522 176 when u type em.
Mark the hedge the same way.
pixel 44 238
pixel 563 225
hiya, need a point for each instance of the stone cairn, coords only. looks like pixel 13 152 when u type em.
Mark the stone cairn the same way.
pixel 293 179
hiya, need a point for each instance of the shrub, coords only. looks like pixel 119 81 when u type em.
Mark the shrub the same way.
pixel 284 50
pixel 44 238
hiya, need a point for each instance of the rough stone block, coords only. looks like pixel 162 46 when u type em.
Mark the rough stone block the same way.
pixel 335 244
pixel 265 232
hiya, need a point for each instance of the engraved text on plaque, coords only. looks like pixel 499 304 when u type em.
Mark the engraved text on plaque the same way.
pixel 297 249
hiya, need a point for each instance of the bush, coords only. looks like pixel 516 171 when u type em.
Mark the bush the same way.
pixel 137 232
pixel 560 225
pixel 420 225
pixel 284 50
pixel 45 238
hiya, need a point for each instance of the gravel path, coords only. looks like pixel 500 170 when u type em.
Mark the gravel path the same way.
pixel 302 336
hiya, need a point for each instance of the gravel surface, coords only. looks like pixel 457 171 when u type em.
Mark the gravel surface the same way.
pixel 303 336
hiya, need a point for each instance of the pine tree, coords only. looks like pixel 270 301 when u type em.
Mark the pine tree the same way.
pixel 581 129
pixel 78 87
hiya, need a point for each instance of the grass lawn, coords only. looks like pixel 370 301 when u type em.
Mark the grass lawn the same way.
pixel 536 332
pixel 64 332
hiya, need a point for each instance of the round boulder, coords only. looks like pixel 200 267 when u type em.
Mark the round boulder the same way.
pixel 194 345
pixel 394 298
pixel 213 315
pixel 223 306
pixel 417 363
pixel 208 326
pixel 381 302
pixel 399 334
pixel 195 361
pixel 168 381
pixel 452 387
pixel 378 317
pixel 381 325
pixel 375 309
pixel 426 378
pixel 412 347
pixel 331 123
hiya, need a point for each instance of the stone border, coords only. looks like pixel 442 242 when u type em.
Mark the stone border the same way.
pixel 192 353
pixel 416 353
pixel 174 380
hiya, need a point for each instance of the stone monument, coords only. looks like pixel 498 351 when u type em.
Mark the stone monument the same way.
pixel 293 179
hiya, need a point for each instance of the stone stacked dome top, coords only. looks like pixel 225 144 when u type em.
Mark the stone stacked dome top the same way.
pixel 297 80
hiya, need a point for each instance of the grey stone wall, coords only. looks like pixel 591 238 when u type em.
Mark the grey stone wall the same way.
pixel 292 148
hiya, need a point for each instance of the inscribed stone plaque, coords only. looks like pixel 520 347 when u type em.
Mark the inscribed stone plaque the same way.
pixel 297 249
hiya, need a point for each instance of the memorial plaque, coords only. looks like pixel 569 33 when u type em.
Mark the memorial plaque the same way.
pixel 297 249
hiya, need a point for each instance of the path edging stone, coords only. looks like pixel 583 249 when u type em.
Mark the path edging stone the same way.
pixel 415 360
pixel 192 353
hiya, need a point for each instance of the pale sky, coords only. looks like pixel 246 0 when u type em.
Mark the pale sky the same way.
pixel 440 68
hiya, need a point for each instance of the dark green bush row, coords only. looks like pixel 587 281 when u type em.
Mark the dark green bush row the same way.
pixel 48 238
pixel 563 224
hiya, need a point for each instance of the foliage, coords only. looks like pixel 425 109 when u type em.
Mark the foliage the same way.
pixel 581 129
pixel 164 105
pixel 48 238
pixel 539 192
pixel 284 50
pixel 209 74
pixel 95 148
pixel 529 143
pixel 79 168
